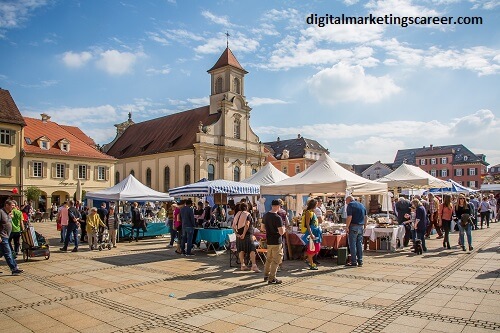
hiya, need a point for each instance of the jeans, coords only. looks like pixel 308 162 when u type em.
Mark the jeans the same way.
pixel 5 249
pixel 173 233
pixel 187 237
pixel 467 230
pixel 356 243
pixel 485 216
pixel 15 236
pixel 420 234
pixel 273 259
pixel 71 230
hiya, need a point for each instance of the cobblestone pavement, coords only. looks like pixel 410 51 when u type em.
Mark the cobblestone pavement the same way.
pixel 144 287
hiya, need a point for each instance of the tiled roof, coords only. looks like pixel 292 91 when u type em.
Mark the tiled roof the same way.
pixel 169 133
pixel 359 168
pixel 227 58
pixel 79 134
pixel 296 147
pixel 9 113
pixel 36 128
pixel 460 151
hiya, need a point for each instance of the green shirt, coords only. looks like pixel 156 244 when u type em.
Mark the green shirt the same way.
pixel 17 217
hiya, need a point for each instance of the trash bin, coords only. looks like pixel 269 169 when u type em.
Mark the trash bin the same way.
pixel 342 256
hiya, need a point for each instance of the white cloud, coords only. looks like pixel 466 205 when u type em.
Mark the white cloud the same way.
pixel 217 19
pixel 479 129
pixel 139 105
pixel 14 13
pixel 66 115
pixel 41 84
pixel 485 4
pixel 199 101
pixel 238 43
pixel 163 70
pixel 344 33
pixel 257 101
pixel 181 35
pixel 154 36
pixel 117 63
pixel 76 60
pixel 344 83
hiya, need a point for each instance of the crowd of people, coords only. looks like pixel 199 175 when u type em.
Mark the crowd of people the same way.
pixel 422 214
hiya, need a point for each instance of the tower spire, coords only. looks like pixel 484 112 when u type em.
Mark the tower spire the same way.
pixel 227 38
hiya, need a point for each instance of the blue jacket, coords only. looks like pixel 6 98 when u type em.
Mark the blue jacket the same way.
pixel 421 215
pixel 187 217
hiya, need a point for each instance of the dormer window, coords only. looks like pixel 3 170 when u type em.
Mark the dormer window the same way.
pixel 44 143
pixel 64 144
pixel 466 158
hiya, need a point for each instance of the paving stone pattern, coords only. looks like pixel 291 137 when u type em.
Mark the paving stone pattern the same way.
pixel 144 287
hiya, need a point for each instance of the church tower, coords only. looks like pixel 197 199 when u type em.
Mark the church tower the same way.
pixel 227 80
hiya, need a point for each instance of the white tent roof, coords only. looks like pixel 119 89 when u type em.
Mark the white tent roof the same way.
pixel 490 187
pixel 129 189
pixel 325 176
pixel 267 175
pixel 410 176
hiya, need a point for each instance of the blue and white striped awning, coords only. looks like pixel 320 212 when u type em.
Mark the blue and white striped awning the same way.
pixel 455 188
pixel 204 187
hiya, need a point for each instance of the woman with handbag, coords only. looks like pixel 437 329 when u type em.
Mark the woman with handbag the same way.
pixel 446 212
pixel 463 214
pixel 243 228
pixel 312 233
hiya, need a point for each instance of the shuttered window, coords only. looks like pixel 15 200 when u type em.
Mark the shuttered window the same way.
pixel 5 168
pixel 60 170
pixel 82 171
pixel 7 137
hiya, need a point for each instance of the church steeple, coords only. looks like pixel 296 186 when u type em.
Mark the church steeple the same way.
pixel 227 79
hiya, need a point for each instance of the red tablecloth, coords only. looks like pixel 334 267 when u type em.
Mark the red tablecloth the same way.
pixel 332 241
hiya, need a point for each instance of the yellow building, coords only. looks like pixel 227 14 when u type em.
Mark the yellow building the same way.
pixel 59 158
pixel 11 135
pixel 213 142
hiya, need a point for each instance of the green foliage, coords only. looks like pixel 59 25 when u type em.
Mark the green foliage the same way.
pixel 33 193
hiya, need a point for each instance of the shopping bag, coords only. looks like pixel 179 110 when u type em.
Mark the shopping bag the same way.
pixel 312 248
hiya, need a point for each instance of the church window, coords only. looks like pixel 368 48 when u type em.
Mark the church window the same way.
pixel 132 172
pixel 236 174
pixel 187 174
pixel 166 178
pixel 148 177
pixel 211 172
pixel 237 128
pixel 117 177
pixel 218 85
pixel 237 86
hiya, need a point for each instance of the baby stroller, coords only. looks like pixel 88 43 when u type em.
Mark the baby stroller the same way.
pixel 105 241
pixel 34 244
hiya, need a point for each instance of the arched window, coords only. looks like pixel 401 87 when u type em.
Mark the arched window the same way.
pixel 132 172
pixel 237 86
pixel 211 172
pixel 254 171
pixel 218 85
pixel 285 170
pixel 166 178
pixel 148 177
pixel 117 177
pixel 237 127
pixel 236 174
pixel 187 174
pixel 297 169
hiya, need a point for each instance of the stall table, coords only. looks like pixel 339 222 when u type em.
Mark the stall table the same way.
pixel 153 229
pixel 211 236
pixel 393 234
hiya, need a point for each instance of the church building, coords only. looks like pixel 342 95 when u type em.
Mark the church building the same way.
pixel 213 141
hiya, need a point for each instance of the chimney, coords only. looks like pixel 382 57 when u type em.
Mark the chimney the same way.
pixel 45 117
pixel 432 147
pixel 298 136
pixel 278 139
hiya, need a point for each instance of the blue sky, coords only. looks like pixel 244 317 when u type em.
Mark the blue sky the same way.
pixel 363 91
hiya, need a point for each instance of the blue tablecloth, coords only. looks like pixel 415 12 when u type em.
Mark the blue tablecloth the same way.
pixel 213 235
pixel 154 229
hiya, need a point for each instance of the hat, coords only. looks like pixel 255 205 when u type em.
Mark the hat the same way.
pixel 275 203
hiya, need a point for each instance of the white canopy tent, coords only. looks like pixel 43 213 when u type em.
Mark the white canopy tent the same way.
pixel 265 176
pixel 409 176
pixel 325 176
pixel 129 189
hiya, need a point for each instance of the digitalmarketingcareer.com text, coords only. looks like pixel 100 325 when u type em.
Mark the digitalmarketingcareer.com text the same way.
pixel 403 21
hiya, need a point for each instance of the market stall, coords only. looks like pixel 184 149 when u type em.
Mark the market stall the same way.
pixel 409 176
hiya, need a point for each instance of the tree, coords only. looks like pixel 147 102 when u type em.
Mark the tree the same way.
pixel 33 193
